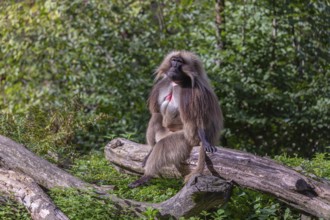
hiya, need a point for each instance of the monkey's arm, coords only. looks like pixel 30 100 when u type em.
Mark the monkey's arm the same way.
pixel 205 143
pixel 155 128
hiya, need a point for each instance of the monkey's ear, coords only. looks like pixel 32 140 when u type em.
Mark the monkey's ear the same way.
pixel 159 71
pixel 158 74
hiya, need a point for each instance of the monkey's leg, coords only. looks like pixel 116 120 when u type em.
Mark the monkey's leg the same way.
pixel 170 150
pixel 154 126
pixel 146 158
pixel 155 131
pixel 159 135
pixel 205 147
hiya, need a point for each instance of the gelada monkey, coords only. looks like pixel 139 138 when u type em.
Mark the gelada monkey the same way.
pixel 184 113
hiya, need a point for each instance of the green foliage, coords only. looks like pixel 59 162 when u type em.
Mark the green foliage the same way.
pixel 272 81
pixel 219 215
pixel 45 133
pixel 11 210
pixel 51 132
pixel 94 168
pixel 319 165
pixel 151 213
pixel 157 191
pixel 52 52
pixel 78 205
pixel 272 103
pixel 247 204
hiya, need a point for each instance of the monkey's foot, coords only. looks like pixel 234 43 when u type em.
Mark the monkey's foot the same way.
pixel 142 181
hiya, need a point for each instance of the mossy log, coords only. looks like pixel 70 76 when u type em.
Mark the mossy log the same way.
pixel 244 169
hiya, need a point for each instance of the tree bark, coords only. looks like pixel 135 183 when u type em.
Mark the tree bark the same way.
pixel 27 171
pixel 219 27
pixel 245 169
pixel 274 36
pixel 219 23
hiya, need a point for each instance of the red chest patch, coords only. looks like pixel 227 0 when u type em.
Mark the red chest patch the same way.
pixel 168 97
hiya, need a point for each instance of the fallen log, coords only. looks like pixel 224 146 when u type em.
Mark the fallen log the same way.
pixel 15 156
pixel 27 192
pixel 245 169
pixel 22 171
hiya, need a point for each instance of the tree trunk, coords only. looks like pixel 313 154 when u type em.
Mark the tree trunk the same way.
pixel 245 169
pixel 295 42
pixel 219 27
pixel 274 37
pixel 219 23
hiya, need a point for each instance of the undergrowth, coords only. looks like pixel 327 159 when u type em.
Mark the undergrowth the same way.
pixel 10 210
pixel 95 169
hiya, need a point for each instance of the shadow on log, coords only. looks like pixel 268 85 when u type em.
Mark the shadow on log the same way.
pixel 244 169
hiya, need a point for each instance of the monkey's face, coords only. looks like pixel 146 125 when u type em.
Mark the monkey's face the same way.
pixel 176 74
pixel 182 68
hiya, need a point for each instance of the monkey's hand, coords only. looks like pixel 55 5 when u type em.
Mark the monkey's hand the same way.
pixel 206 145
pixel 208 148
pixel 142 181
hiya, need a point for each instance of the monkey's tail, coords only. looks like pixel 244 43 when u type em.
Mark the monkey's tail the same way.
pixel 200 164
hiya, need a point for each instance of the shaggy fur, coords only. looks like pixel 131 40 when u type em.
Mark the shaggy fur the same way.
pixel 182 116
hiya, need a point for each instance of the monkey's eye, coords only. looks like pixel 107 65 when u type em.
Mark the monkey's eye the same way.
pixel 177 59
pixel 176 62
